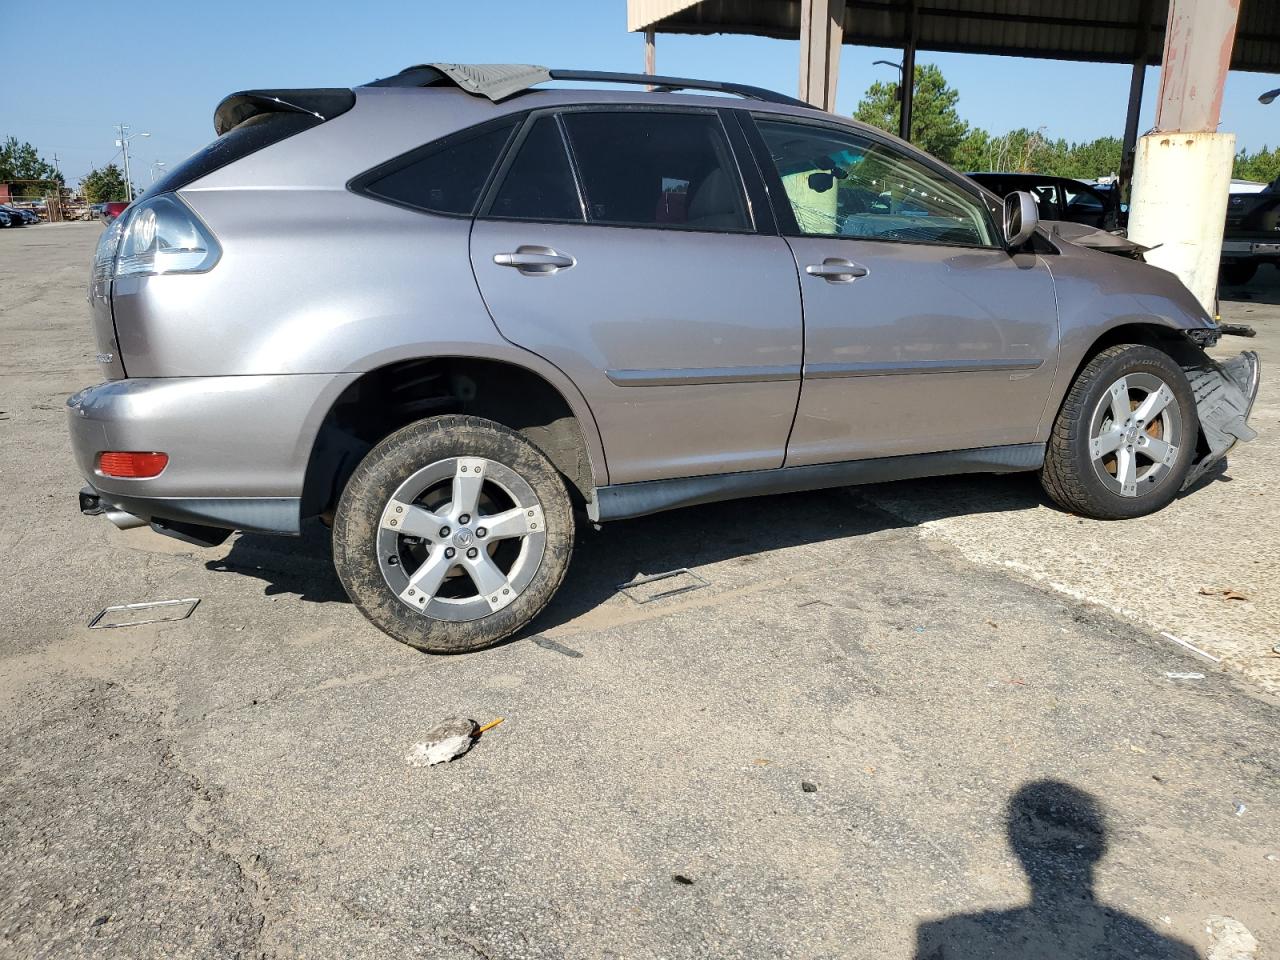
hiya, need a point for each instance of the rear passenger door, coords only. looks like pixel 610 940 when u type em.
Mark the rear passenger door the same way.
pixel 624 245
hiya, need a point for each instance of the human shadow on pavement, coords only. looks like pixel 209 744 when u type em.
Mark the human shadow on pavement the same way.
pixel 1059 833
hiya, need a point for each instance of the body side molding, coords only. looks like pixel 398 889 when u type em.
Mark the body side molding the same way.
pixel 621 501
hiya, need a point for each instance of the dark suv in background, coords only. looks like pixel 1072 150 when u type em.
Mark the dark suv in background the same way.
pixel 1061 198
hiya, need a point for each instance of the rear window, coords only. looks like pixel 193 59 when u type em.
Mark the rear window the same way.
pixel 650 169
pixel 445 177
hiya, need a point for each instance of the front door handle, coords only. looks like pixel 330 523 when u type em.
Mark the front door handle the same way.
pixel 837 270
pixel 534 261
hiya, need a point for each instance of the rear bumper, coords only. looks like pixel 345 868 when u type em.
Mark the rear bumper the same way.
pixel 238 446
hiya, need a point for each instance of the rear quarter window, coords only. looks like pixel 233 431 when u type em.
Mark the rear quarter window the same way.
pixel 445 177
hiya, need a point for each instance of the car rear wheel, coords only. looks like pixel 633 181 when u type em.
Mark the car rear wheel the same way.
pixel 1125 437
pixel 453 534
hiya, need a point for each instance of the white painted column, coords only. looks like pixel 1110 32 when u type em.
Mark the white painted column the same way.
pixel 1182 172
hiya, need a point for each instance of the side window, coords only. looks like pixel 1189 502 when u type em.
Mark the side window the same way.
pixel 1046 195
pixel 844 185
pixel 441 178
pixel 538 185
pixel 1085 201
pixel 642 168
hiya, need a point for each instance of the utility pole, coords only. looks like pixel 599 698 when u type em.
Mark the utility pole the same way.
pixel 123 144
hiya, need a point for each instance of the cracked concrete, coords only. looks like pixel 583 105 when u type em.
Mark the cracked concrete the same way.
pixel 234 784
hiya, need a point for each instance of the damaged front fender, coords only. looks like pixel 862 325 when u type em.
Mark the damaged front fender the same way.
pixel 1224 393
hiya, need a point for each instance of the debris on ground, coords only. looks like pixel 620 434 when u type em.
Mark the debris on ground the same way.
pixel 1226 593
pixel 1229 939
pixel 1240 809
pixel 447 741
pixel 135 614
pixel 681 879
pixel 808 787
pixel 1185 676
pixel 1190 646
pixel 671 583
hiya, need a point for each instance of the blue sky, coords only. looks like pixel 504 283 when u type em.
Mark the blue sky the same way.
pixel 163 68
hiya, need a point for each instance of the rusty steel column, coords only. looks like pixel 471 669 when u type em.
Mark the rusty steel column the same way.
pixel 821 34
pixel 1182 172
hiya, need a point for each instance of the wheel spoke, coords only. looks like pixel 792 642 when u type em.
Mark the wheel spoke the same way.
pixel 412 521
pixel 1155 402
pixel 1158 450
pixel 1108 443
pixel 512 523
pixel 1120 401
pixel 427 578
pixel 489 580
pixel 467 482
pixel 1127 472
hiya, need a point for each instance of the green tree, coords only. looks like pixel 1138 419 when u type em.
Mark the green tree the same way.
pixel 1263 166
pixel 22 162
pixel 102 185
pixel 936 126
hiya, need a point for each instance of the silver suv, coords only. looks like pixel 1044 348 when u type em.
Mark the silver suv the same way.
pixel 445 309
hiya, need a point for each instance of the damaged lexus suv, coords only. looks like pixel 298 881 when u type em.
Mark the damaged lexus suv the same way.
pixel 449 309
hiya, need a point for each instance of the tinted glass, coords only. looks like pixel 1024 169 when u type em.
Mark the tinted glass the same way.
pixel 447 178
pixel 642 168
pixel 539 183
pixel 1085 201
pixel 844 185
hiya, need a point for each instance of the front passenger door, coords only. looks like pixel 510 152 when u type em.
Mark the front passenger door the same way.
pixel 922 333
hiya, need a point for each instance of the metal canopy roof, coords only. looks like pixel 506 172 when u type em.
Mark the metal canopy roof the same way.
pixel 1105 31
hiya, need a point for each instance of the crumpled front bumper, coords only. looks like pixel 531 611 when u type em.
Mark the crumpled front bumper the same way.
pixel 1224 391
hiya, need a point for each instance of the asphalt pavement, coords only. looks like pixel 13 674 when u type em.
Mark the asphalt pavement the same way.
pixel 864 737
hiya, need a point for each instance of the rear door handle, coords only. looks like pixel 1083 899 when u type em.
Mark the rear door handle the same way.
pixel 531 260
pixel 837 270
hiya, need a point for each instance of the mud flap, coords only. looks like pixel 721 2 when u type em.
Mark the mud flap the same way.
pixel 1224 397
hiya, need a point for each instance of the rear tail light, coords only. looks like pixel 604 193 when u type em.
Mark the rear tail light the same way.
pixel 155 236
pixel 132 465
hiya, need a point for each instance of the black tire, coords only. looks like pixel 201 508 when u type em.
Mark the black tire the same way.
pixel 358 526
pixel 1070 475
pixel 1236 274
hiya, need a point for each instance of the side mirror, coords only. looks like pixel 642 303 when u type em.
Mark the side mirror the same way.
pixel 1021 217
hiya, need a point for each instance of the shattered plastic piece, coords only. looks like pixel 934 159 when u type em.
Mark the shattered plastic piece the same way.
pixel 135 614
pixel 808 787
pixel 444 742
pixel 1229 939
pixel 1224 395
pixel 1240 809
pixel 1185 676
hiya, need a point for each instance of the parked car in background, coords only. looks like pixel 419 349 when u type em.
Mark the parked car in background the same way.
pixel 519 303
pixel 5 219
pixel 1060 198
pixel 113 209
pixel 17 218
pixel 1252 236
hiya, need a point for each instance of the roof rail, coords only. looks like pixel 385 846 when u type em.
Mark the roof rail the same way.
pixel 668 84
pixel 498 81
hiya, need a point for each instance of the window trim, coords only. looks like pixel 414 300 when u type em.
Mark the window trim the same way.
pixel 359 184
pixel 786 217
pixel 514 145
pixel 733 147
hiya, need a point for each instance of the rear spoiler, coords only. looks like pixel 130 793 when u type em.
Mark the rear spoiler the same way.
pixel 321 103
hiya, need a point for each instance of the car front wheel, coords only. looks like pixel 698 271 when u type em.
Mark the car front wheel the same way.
pixel 1125 437
pixel 452 534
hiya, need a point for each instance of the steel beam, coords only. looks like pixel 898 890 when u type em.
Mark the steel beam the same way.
pixel 1197 54
pixel 821 34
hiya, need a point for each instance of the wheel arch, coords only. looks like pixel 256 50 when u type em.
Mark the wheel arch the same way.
pixel 381 400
